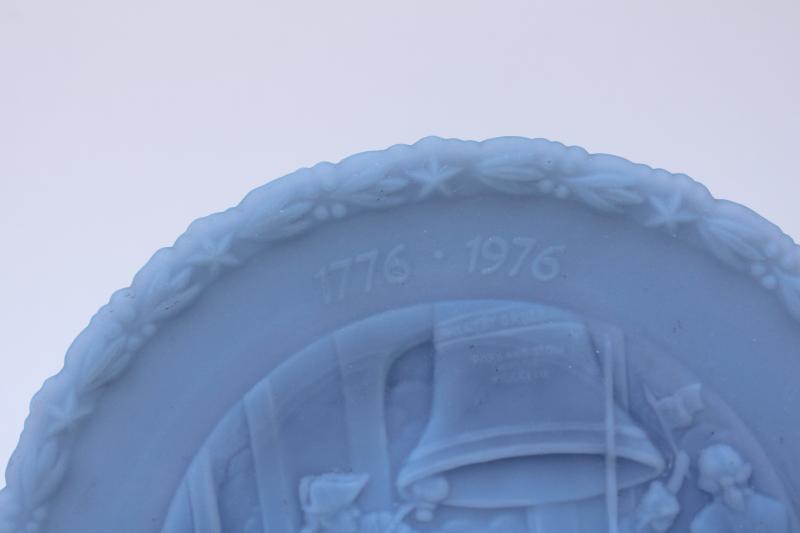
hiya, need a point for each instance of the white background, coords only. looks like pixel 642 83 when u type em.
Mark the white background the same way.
pixel 120 122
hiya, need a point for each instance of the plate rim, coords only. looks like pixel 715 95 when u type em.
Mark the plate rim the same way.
pixel 369 181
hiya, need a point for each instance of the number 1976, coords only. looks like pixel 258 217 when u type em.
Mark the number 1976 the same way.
pixel 488 255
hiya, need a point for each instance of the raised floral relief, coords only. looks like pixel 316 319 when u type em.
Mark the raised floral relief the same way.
pixel 329 506
pixel 736 507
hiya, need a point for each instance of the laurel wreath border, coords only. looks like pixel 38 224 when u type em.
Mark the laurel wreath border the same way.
pixel 402 174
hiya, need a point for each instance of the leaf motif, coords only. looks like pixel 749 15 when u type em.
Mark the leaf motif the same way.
pixel 392 185
pixel 719 248
pixel 180 280
pixel 176 303
pixel 295 211
pixel 744 229
pixel 365 179
pixel 105 364
pixel 149 291
pixel 789 287
pixel 606 192
pixel 596 200
pixel 729 242
pixel 604 181
pixel 43 477
pixel 271 226
pixel 623 197
pixel 510 167
pixel 288 230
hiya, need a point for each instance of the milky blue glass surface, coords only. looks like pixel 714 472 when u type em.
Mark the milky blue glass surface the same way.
pixel 510 336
